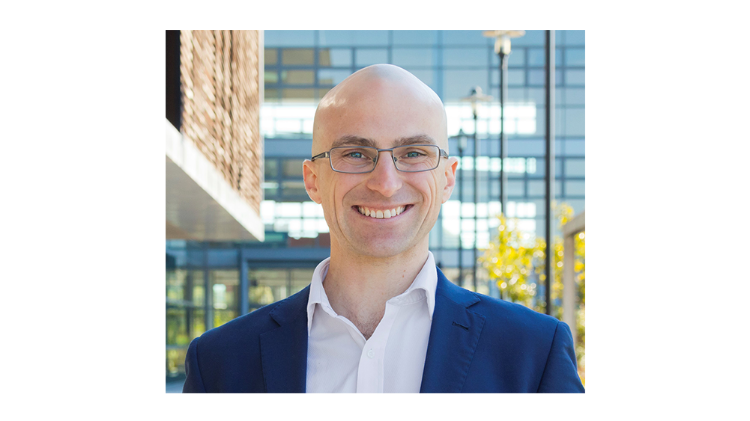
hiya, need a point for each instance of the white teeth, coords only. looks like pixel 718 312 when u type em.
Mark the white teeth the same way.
pixel 388 213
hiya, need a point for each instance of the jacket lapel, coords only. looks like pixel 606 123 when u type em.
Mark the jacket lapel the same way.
pixel 453 338
pixel 283 350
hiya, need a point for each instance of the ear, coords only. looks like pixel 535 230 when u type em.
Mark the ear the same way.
pixel 311 180
pixel 450 177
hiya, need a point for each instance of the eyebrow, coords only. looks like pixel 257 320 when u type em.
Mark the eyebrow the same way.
pixel 363 141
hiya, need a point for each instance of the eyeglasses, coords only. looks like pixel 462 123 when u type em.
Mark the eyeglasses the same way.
pixel 363 159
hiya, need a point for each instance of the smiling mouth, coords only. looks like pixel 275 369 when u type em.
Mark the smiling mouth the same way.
pixel 380 213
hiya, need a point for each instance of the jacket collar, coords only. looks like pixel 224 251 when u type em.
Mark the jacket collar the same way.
pixel 453 339
pixel 283 350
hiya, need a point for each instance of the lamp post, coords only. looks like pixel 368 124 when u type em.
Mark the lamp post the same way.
pixel 549 176
pixel 475 96
pixel 502 49
pixel 462 141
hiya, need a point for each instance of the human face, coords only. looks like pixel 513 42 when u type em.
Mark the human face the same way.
pixel 383 120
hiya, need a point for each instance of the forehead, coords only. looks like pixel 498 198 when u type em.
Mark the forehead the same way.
pixel 382 120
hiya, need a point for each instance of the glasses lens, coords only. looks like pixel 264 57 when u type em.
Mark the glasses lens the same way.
pixel 353 159
pixel 416 157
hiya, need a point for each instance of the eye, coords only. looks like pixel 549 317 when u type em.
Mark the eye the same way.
pixel 355 154
pixel 413 154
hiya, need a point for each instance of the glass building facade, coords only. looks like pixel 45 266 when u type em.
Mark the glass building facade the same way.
pixel 211 283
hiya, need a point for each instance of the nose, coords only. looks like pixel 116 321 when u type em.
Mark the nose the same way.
pixel 385 178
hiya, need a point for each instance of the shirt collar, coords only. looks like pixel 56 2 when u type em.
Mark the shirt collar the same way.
pixel 426 280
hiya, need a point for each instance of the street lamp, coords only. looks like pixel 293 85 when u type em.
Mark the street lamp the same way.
pixel 476 96
pixel 462 142
pixel 502 49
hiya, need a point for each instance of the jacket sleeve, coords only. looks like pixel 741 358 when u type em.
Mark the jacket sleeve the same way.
pixel 193 382
pixel 561 372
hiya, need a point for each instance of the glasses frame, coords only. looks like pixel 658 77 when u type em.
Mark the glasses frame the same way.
pixel 327 154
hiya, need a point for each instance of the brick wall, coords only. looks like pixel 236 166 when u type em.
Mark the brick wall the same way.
pixel 219 74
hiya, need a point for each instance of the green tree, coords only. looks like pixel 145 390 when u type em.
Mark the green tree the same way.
pixel 512 260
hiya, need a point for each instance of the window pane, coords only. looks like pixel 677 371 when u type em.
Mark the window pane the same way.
pixel 271 168
pixel 575 57
pixel 574 188
pixel 536 77
pixel 225 289
pixel 292 168
pixel 332 77
pixel 575 77
pixel 575 147
pixel 517 58
pixel 296 57
pixel 536 57
pixel 574 96
pixel 575 168
pixel 457 84
pixel 292 93
pixel 293 188
pixel 271 95
pixel 529 38
pixel 515 188
pixel 368 56
pixel 465 38
pixel 300 279
pixel 267 286
pixel 288 38
pixel 177 285
pixel 575 37
pixel 574 122
pixel 413 56
pixel 353 38
pixel 335 57
pixel 298 77
pixel 465 57
pixel 270 56
pixel 414 37
pixel 536 188
pixel 270 76
pixel 424 75
pixel 177 333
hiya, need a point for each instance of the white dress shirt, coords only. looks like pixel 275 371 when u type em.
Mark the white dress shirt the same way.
pixel 340 359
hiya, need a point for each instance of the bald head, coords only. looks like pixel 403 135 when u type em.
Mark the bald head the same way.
pixel 380 100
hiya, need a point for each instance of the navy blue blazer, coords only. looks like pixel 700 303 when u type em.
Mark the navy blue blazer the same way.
pixel 477 344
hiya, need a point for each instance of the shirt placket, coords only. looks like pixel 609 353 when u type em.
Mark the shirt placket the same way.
pixel 371 363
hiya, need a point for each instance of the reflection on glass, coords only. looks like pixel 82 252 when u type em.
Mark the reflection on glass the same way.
pixel 368 56
pixel 335 57
pixel 266 286
pixel 296 57
pixel 176 284
pixel 575 57
pixel 298 77
pixel 300 279
pixel 225 289
pixel 414 37
pixel 270 56
pixel 292 167
pixel 199 322
pixel 465 57
pixel 332 77
pixel 298 94
pixel 413 57
pixel 177 333
pixel 176 361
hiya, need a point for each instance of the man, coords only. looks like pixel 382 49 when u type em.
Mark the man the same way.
pixel 378 315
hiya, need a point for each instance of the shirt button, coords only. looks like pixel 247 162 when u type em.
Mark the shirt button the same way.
pixel 370 353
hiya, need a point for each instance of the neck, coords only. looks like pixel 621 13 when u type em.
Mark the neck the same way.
pixel 359 286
